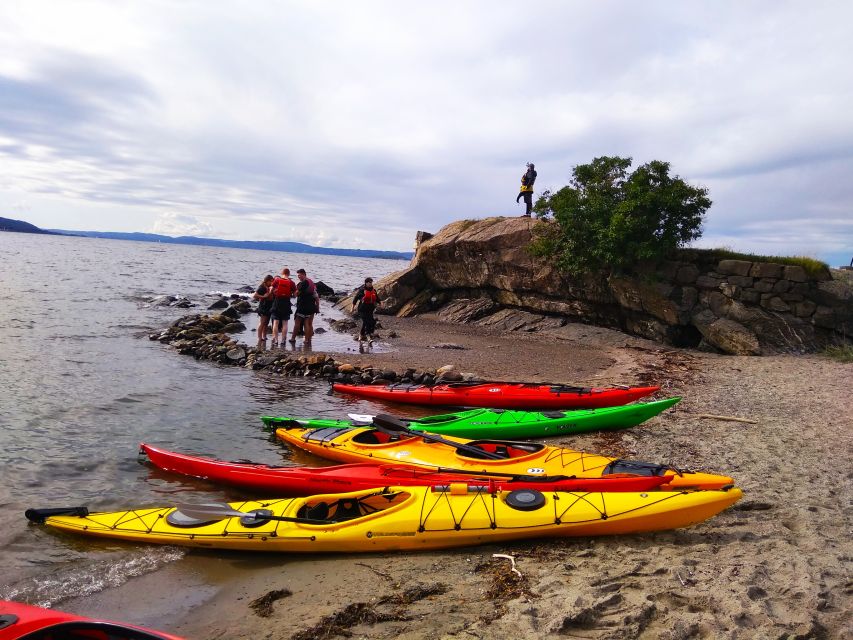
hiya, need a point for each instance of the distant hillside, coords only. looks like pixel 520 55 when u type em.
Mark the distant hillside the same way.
pixel 7 224
pixel 294 247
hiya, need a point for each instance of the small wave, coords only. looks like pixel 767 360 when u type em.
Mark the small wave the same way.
pixel 92 577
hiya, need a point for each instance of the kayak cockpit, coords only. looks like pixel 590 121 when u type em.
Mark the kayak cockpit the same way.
pixel 507 450
pixel 349 508
pixel 375 436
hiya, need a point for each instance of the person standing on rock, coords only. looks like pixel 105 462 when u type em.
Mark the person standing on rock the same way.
pixel 307 304
pixel 264 295
pixel 526 192
pixel 283 289
pixel 367 301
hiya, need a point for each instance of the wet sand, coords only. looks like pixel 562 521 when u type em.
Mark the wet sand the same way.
pixel 777 565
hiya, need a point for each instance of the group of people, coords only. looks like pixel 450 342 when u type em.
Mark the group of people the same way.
pixel 275 303
pixel 276 294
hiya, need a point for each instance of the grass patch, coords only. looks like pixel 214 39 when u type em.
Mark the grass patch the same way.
pixel 812 266
pixel 840 352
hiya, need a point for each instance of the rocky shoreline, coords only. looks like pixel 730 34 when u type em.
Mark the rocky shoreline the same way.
pixel 206 337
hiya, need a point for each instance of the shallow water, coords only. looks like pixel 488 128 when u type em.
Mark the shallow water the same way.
pixel 81 386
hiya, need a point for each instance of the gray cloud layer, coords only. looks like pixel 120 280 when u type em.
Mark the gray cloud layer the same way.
pixel 344 117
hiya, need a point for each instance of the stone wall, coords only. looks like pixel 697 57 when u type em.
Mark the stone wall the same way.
pixel 481 272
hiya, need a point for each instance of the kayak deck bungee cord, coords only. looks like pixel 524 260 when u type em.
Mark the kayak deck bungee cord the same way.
pixel 380 445
pixel 397 518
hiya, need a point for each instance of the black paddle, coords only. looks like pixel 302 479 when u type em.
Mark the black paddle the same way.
pixel 384 422
pixel 221 510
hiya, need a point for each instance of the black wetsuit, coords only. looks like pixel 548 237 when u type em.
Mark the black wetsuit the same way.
pixel 264 305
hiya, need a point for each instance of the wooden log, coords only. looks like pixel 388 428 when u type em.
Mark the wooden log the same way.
pixel 727 418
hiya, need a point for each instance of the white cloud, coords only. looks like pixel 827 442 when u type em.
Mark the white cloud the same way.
pixel 175 224
pixel 333 121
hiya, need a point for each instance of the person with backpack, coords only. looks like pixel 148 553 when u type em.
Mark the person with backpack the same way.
pixel 366 300
pixel 307 304
pixel 526 192
pixel 283 289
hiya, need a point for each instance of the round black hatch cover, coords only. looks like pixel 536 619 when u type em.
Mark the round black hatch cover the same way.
pixel 525 499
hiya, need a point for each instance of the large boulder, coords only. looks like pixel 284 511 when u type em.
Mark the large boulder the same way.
pixel 727 335
pixel 397 289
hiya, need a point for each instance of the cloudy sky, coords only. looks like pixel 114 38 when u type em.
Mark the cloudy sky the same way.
pixel 354 124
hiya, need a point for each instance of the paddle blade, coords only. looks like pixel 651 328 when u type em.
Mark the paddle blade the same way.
pixel 389 423
pixel 360 419
pixel 39 515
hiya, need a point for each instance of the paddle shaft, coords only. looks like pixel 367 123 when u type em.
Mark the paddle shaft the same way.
pixel 213 511
pixel 382 422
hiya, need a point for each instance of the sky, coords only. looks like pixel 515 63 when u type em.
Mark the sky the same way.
pixel 355 124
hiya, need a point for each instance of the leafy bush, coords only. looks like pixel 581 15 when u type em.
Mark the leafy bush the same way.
pixel 608 218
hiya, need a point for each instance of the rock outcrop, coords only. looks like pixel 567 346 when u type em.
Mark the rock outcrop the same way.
pixel 482 272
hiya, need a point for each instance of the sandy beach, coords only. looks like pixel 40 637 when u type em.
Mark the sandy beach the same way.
pixel 777 565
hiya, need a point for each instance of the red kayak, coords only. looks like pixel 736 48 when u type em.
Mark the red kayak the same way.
pixel 25 621
pixel 343 478
pixel 500 395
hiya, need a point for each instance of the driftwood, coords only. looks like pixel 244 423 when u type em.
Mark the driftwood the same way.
pixel 727 418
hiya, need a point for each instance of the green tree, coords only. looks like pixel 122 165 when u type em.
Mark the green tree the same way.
pixel 608 218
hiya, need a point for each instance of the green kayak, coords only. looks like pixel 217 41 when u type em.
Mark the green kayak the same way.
pixel 505 424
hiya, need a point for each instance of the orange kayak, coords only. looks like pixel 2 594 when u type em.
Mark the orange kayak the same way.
pixel 367 444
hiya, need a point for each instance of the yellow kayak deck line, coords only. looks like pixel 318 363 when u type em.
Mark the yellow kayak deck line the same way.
pixel 366 444
pixel 409 518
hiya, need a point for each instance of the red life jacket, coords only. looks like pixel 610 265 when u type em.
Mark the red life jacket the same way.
pixel 370 297
pixel 283 287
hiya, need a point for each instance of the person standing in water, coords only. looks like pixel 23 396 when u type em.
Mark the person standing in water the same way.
pixel 367 301
pixel 526 192
pixel 307 304
pixel 264 295
pixel 283 289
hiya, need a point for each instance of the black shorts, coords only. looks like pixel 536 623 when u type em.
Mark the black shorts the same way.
pixel 281 309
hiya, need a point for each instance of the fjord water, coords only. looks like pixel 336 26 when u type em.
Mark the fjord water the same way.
pixel 81 386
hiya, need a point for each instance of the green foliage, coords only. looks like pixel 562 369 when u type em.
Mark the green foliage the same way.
pixel 841 352
pixel 608 218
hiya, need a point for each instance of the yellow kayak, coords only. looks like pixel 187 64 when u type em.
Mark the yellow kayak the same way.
pixel 400 518
pixel 367 444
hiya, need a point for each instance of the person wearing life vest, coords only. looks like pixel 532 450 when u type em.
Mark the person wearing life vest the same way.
pixel 283 289
pixel 526 192
pixel 366 300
